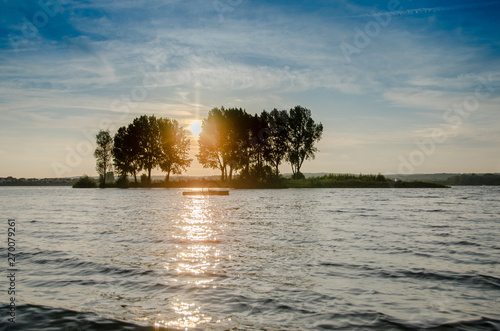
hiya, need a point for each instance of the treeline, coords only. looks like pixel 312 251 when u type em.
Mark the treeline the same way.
pixel 231 140
pixel 474 179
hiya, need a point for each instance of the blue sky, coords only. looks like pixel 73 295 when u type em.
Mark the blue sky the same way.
pixel 404 86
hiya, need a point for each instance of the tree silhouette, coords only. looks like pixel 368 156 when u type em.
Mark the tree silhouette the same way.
pixel 303 133
pixel 102 154
pixel 147 132
pixel 214 142
pixel 224 139
pixel 276 144
pixel 126 152
pixel 237 126
pixel 174 146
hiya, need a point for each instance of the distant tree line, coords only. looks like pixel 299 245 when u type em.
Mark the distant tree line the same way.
pixel 474 179
pixel 231 140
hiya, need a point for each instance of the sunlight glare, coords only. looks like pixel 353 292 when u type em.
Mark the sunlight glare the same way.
pixel 195 128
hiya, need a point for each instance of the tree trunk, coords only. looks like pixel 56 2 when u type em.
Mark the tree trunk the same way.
pixel 167 178
pixel 149 176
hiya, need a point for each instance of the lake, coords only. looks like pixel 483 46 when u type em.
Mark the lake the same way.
pixel 291 259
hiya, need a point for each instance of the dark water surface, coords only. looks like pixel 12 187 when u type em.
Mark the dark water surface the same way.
pixel 292 259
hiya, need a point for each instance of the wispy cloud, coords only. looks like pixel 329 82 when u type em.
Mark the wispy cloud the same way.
pixel 427 10
pixel 260 56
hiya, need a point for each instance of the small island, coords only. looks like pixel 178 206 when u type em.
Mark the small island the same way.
pixel 324 181
pixel 247 149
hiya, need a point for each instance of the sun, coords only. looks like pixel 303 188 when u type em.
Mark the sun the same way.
pixel 195 128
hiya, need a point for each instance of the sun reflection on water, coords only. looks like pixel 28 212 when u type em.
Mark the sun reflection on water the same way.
pixel 189 316
pixel 196 260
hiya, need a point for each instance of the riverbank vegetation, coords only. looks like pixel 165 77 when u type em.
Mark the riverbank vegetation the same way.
pixel 325 181
pixel 85 182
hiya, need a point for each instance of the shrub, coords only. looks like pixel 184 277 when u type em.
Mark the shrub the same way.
pixel 85 182
pixel 122 182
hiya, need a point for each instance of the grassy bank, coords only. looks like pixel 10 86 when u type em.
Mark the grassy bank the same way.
pixel 357 181
pixel 326 181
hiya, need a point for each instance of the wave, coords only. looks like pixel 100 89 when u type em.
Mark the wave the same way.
pixel 473 279
pixel 379 321
pixel 35 317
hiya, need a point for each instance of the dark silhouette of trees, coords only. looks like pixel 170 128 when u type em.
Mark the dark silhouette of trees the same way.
pixel 303 133
pixel 174 146
pixel 213 141
pixel 147 132
pixel 103 155
pixel 230 140
pixel 149 142
pixel 238 133
pixel 257 145
pixel 276 144
pixel 125 153
pixel 224 141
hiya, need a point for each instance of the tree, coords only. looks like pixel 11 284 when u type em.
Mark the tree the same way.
pixel 223 139
pixel 303 133
pixel 213 142
pixel 238 128
pixel 259 133
pixel 146 132
pixel 102 154
pixel 275 144
pixel 125 152
pixel 174 146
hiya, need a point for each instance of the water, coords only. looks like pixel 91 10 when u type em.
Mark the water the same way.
pixel 378 259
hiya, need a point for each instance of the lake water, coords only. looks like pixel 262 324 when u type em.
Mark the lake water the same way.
pixel 294 259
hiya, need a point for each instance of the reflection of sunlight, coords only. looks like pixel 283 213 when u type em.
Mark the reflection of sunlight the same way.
pixel 190 316
pixel 196 261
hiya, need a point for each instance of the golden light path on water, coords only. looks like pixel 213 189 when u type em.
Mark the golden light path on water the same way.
pixel 195 262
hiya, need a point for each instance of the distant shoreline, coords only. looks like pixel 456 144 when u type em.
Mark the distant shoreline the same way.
pixel 311 181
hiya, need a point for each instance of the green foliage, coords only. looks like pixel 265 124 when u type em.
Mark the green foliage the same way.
pixel 85 182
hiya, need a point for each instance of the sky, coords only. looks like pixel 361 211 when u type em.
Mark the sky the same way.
pixel 408 86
